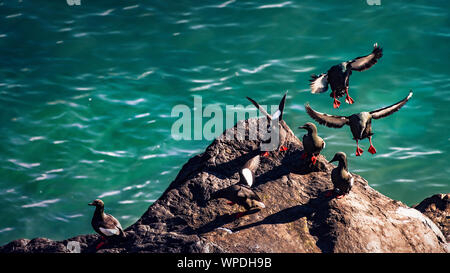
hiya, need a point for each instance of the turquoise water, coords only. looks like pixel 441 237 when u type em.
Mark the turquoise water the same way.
pixel 86 94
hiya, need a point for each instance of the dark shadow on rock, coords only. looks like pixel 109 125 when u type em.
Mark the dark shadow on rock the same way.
pixel 317 209
pixel 229 168
pixel 220 221
pixel 282 217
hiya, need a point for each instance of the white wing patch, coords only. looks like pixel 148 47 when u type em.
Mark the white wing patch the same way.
pixel 319 84
pixel 248 176
pixel 260 204
pixel 277 114
pixel 351 181
pixel 110 231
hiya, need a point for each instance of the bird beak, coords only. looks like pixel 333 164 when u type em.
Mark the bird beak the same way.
pixel 302 127
pixel 91 204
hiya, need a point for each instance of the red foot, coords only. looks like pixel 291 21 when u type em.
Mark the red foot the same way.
pixel 283 148
pixel 349 100
pixel 336 103
pixel 372 150
pixel 230 203
pixel 266 154
pixel 340 196
pixel 304 155
pixel 359 151
pixel 100 245
pixel 329 193
pixel 313 159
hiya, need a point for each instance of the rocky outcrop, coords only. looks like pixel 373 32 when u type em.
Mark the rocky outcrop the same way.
pixel 437 208
pixel 297 218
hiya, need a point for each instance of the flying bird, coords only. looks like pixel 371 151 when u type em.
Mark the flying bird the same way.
pixel 312 142
pixel 272 122
pixel 338 76
pixel 242 193
pixel 340 176
pixel 104 224
pixel 360 124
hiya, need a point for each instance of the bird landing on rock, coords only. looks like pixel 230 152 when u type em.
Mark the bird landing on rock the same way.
pixel 360 124
pixel 338 76
pixel 274 126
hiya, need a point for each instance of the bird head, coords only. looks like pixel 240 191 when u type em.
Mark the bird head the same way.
pixel 339 156
pixel 309 126
pixel 97 203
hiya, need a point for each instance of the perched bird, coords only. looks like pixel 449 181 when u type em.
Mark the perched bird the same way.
pixel 340 176
pixel 338 76
pixel 241 193
pixel 105 224
pixel 312 142
pixel 360 124
pixel 272 122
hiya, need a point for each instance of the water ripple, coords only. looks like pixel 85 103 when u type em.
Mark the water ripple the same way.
pixel 271 6
pixel 42 203
pixel 108 193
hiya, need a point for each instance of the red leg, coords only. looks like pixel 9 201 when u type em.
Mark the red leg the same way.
pixel 265 154
pixel 230 203
pixel 304 155
pixel 348 99
pixel 372 149
pixel 101 243
pixel 313 159
pixel 359 151
pixel 336 103
pixel 283 148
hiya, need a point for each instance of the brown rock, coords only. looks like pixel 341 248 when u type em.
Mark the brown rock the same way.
pixel 437 208
pixel 297 218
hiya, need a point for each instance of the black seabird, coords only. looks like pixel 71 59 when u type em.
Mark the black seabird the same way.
pixel 105 224
pixel 340 176
pixel 360 124
pixel 241 193
pixel 312 142
pixel 273 121
pixel 338 76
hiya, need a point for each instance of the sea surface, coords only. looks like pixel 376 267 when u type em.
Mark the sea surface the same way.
pixel 87 92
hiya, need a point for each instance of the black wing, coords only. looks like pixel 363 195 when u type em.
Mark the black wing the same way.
pixel 365 62
pixel 325 119
pixel 386 111
pixel 280 108
pixel 269 117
